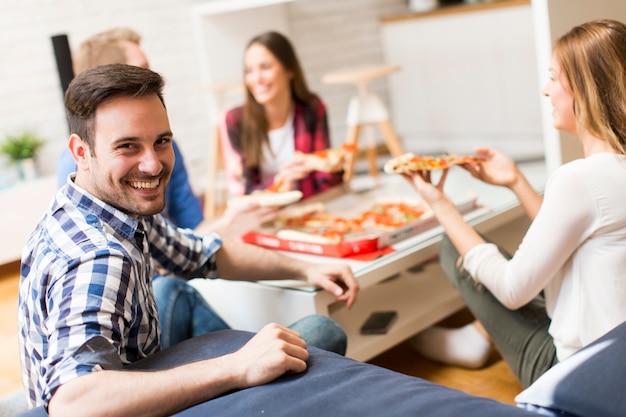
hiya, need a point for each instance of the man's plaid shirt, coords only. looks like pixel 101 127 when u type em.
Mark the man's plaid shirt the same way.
pixel 87 273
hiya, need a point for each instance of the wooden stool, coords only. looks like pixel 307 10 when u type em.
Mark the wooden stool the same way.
pixel 365 110
pixel 216 193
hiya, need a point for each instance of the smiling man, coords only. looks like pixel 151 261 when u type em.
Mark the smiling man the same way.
pixel 129 162
pixel 86 306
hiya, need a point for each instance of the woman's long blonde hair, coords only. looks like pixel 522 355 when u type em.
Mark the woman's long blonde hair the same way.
pixel 593 59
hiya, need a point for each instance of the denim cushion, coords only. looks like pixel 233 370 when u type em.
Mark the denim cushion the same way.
pixel 588 383
pixel 331 386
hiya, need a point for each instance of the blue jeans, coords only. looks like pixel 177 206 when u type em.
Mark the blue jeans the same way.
pixel 184 313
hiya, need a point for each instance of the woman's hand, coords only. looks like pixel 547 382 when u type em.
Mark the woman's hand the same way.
pixel 463 236
pixel 422 181
pixel 499 169
pixel 291 172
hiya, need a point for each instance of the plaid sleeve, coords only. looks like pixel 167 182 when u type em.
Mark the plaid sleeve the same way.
pixel 179 252
pixel 91 299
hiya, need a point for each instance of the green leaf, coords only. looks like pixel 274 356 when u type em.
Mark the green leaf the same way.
pixel 22 146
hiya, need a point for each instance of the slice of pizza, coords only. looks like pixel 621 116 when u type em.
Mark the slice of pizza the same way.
pixel 300 236
pixel 327 236
pixel 468 159
pixel 328 160
pixel 409 163
pixel 313 219
pixel 298 215
pixel 277 186
pixel 318 221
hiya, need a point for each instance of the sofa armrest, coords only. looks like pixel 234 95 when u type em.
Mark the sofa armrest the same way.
pixel 588 383
pixel 332 385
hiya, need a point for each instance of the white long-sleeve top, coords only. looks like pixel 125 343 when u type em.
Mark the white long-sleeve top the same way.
pixel 574 250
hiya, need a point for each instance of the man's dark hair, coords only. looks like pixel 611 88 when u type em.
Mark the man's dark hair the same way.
pixel 95 86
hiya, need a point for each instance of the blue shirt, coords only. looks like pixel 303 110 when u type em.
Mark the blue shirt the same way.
pixel 86 275
pixel 182 206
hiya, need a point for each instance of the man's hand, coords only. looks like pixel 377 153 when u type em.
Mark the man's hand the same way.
pixel 238 219
pixel 336 279
pixel 272 352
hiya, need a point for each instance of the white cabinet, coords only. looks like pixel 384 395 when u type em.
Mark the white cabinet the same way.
pixel 467 79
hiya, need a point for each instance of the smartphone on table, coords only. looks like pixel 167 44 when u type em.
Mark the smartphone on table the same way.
pixel 379 322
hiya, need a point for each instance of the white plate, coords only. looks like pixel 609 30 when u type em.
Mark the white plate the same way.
pixel 268 199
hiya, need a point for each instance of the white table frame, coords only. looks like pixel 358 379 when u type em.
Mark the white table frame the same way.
pixel 408 280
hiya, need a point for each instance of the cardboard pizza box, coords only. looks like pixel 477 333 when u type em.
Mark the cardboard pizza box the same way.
pixel 343 202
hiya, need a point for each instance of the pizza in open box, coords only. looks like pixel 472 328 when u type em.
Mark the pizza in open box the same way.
pixel 392 213
pixel 312 223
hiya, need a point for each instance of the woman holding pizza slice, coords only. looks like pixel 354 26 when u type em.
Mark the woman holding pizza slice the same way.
pixel 265 141
pixel 565 285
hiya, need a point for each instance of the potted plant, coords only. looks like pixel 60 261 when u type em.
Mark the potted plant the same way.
pixel 21 150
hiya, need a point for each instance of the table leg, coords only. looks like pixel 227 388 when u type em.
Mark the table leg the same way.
pixel 353 137
pixel 391 139
pixel 211 200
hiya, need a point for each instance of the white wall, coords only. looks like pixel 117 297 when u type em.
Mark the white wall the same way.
pixel 30 92
pixel 332 35
pixel 328 34
pixel 467 79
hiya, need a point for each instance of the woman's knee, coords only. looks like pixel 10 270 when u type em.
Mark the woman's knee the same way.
pixel 450 259
pixel 322 332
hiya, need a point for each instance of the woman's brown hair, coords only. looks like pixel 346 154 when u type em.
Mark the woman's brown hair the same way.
pixel 254 125
pixel 95 86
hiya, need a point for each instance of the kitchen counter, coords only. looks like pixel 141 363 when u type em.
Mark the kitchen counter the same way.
pixel 455 9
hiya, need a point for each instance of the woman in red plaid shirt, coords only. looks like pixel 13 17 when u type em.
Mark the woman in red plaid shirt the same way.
pixel 263 140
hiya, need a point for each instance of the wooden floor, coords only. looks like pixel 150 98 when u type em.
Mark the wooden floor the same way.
pixel 10 380
pixel 494 381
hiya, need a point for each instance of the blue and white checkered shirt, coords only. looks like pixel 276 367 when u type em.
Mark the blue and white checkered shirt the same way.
pixel 87 273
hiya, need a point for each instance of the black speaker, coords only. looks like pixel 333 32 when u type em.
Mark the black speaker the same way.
pixel 63 57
